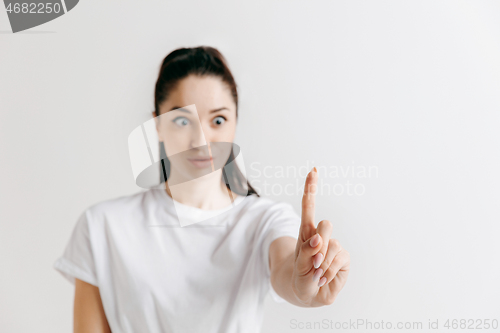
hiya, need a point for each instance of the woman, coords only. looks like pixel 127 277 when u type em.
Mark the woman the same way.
pixel 136 270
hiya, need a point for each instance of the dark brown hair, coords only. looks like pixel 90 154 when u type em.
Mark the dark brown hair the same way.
pixel 200 61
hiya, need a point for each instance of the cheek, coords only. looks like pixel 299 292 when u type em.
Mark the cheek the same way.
pixel 175 142
pixel 226 133
pixel 221 136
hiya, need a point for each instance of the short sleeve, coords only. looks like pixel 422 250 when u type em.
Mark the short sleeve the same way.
pixel 281 221
pixel 77 260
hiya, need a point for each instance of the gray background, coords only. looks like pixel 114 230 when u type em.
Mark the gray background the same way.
pixel 411 87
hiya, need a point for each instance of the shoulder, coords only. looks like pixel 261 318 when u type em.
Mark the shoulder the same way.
pixel 256 203
pixel 268 209
pixel 123 206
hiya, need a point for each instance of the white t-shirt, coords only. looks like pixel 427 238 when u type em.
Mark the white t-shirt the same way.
pixel 156 276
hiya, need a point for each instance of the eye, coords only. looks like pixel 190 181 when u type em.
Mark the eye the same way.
pixel 219 120
pixel 181 121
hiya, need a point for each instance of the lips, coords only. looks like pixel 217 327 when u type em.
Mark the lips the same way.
pixel 201 162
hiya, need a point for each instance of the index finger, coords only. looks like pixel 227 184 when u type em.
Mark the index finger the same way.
pixel 308 202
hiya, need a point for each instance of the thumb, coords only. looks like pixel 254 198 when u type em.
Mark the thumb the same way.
pixel 307 251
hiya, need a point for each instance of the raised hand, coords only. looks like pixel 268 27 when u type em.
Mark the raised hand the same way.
pixel 321 264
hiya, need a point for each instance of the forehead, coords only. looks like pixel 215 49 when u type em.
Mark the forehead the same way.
pixel 206 92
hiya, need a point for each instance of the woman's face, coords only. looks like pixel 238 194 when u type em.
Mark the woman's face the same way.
pixel 188 131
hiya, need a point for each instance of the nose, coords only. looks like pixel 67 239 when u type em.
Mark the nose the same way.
pixel 197 137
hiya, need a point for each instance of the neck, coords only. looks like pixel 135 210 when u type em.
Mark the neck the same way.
pixel 206 192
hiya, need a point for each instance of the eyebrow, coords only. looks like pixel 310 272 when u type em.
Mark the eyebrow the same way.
pixel 219 109
pixel 177 108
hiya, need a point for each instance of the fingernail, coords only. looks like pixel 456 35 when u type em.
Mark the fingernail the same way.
pixel 317 274
pixel 314 169
pixel 318 259
pixel 315 240
pixel 322 282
